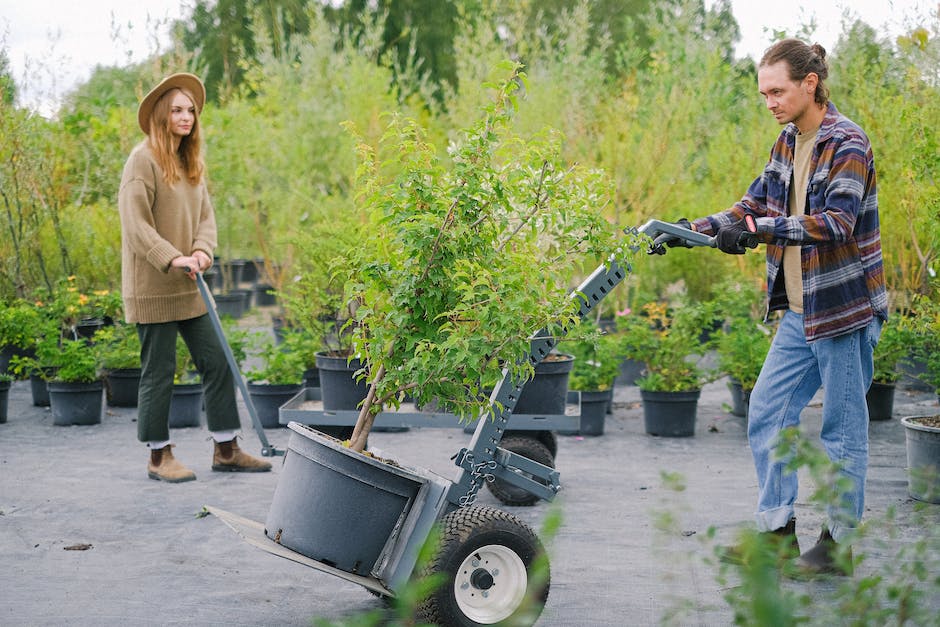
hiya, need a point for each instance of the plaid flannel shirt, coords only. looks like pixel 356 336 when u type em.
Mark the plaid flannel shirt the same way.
pixel 843 274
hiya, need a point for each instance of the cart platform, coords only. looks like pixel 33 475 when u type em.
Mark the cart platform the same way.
pixel 307 409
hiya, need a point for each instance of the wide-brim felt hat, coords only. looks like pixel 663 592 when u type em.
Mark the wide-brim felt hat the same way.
pixel 182 80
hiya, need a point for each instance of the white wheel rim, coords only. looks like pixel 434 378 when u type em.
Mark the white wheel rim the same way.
pixel 490 584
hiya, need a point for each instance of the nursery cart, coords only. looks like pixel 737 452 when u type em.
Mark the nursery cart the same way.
pixel 365 520
pixel 529 435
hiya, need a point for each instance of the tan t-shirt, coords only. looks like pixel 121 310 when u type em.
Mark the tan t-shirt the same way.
pixel 792 264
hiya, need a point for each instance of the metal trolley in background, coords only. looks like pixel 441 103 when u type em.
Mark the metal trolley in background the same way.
pixel 487 556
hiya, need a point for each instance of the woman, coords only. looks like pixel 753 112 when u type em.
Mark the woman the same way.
pixel 168 233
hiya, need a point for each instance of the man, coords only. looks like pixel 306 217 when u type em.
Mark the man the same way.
pixel 816 207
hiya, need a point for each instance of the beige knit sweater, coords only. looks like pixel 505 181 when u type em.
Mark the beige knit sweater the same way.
pixel 158 224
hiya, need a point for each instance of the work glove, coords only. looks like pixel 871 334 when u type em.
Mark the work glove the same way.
pixel 676 242
pixel 735 237
pixel 671 241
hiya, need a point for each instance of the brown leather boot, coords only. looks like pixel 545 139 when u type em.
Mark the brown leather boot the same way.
pixel 782 544
pixel 228 457
pixel 164 467
pixel 826 558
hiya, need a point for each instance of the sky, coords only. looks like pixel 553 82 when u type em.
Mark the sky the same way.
pixel 57 43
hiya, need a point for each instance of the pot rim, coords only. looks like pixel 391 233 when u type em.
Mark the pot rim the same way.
pixel 907 421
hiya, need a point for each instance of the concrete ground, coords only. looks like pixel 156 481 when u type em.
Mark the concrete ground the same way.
pixel 151 559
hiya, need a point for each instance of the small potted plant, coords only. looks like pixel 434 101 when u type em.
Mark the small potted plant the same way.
pixel 186 397
pixel 37 362
pixel 892 349
pixel 743 340
pixel 120 359
pixel 276 379
pixel 922 435
pixel 315 310
pixel 76 387
pixel 668 340
pixel 20 320
pixel 597 358
pixel 79 312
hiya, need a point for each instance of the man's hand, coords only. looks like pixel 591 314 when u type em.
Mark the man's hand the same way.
pixel 675 242
pixel 672 241
pixel 733 239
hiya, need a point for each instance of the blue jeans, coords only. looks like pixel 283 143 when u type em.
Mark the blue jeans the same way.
pixel 792 373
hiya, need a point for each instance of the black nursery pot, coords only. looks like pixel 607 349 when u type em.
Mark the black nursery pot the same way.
pixel 546 393
pixel 670 414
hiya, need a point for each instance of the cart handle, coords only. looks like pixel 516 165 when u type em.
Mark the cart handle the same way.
pixel 661 232
pixel 266 449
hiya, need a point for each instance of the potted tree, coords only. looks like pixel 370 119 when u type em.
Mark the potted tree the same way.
pixel 923 330
pixel 668 340
pixel 597 359
pixel 462 259
pixel 922 435
pixel 276 379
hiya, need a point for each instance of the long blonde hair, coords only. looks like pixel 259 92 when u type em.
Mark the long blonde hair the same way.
pixel 187 160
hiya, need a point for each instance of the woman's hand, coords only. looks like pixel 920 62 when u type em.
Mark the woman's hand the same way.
pixel 188 264
pixel 204 260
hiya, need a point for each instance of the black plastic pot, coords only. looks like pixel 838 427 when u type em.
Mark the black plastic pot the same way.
pixel 268 398
pixel 739 398
pixel 670 414
pixel 76 403
pixel 232 270
pixel 880 400
pixel 185 405
pixel 338 387
pixel 630 371
pixel 122 386
pixel 231 304
pixel 264 295
pixel 337 506
pixel 546 393
pixel 39 388
pixel 312 378
pixel 4 400
pixel 594 412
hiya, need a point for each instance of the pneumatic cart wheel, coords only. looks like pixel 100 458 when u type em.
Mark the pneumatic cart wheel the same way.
pixel 492 568
pixel 535 450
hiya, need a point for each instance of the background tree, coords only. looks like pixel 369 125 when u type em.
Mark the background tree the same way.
pixel 223 36
pixel 7 86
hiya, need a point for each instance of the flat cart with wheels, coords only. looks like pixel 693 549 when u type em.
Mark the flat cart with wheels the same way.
pixel 492 564
pixel 529 435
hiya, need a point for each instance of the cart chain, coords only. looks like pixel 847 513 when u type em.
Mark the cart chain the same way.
pixel 478 477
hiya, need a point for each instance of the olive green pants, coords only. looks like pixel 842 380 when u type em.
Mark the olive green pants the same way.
pixel 158 364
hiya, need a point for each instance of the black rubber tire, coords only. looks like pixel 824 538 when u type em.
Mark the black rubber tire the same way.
pixel 526 446
pixel 472 531
pixel 545 437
